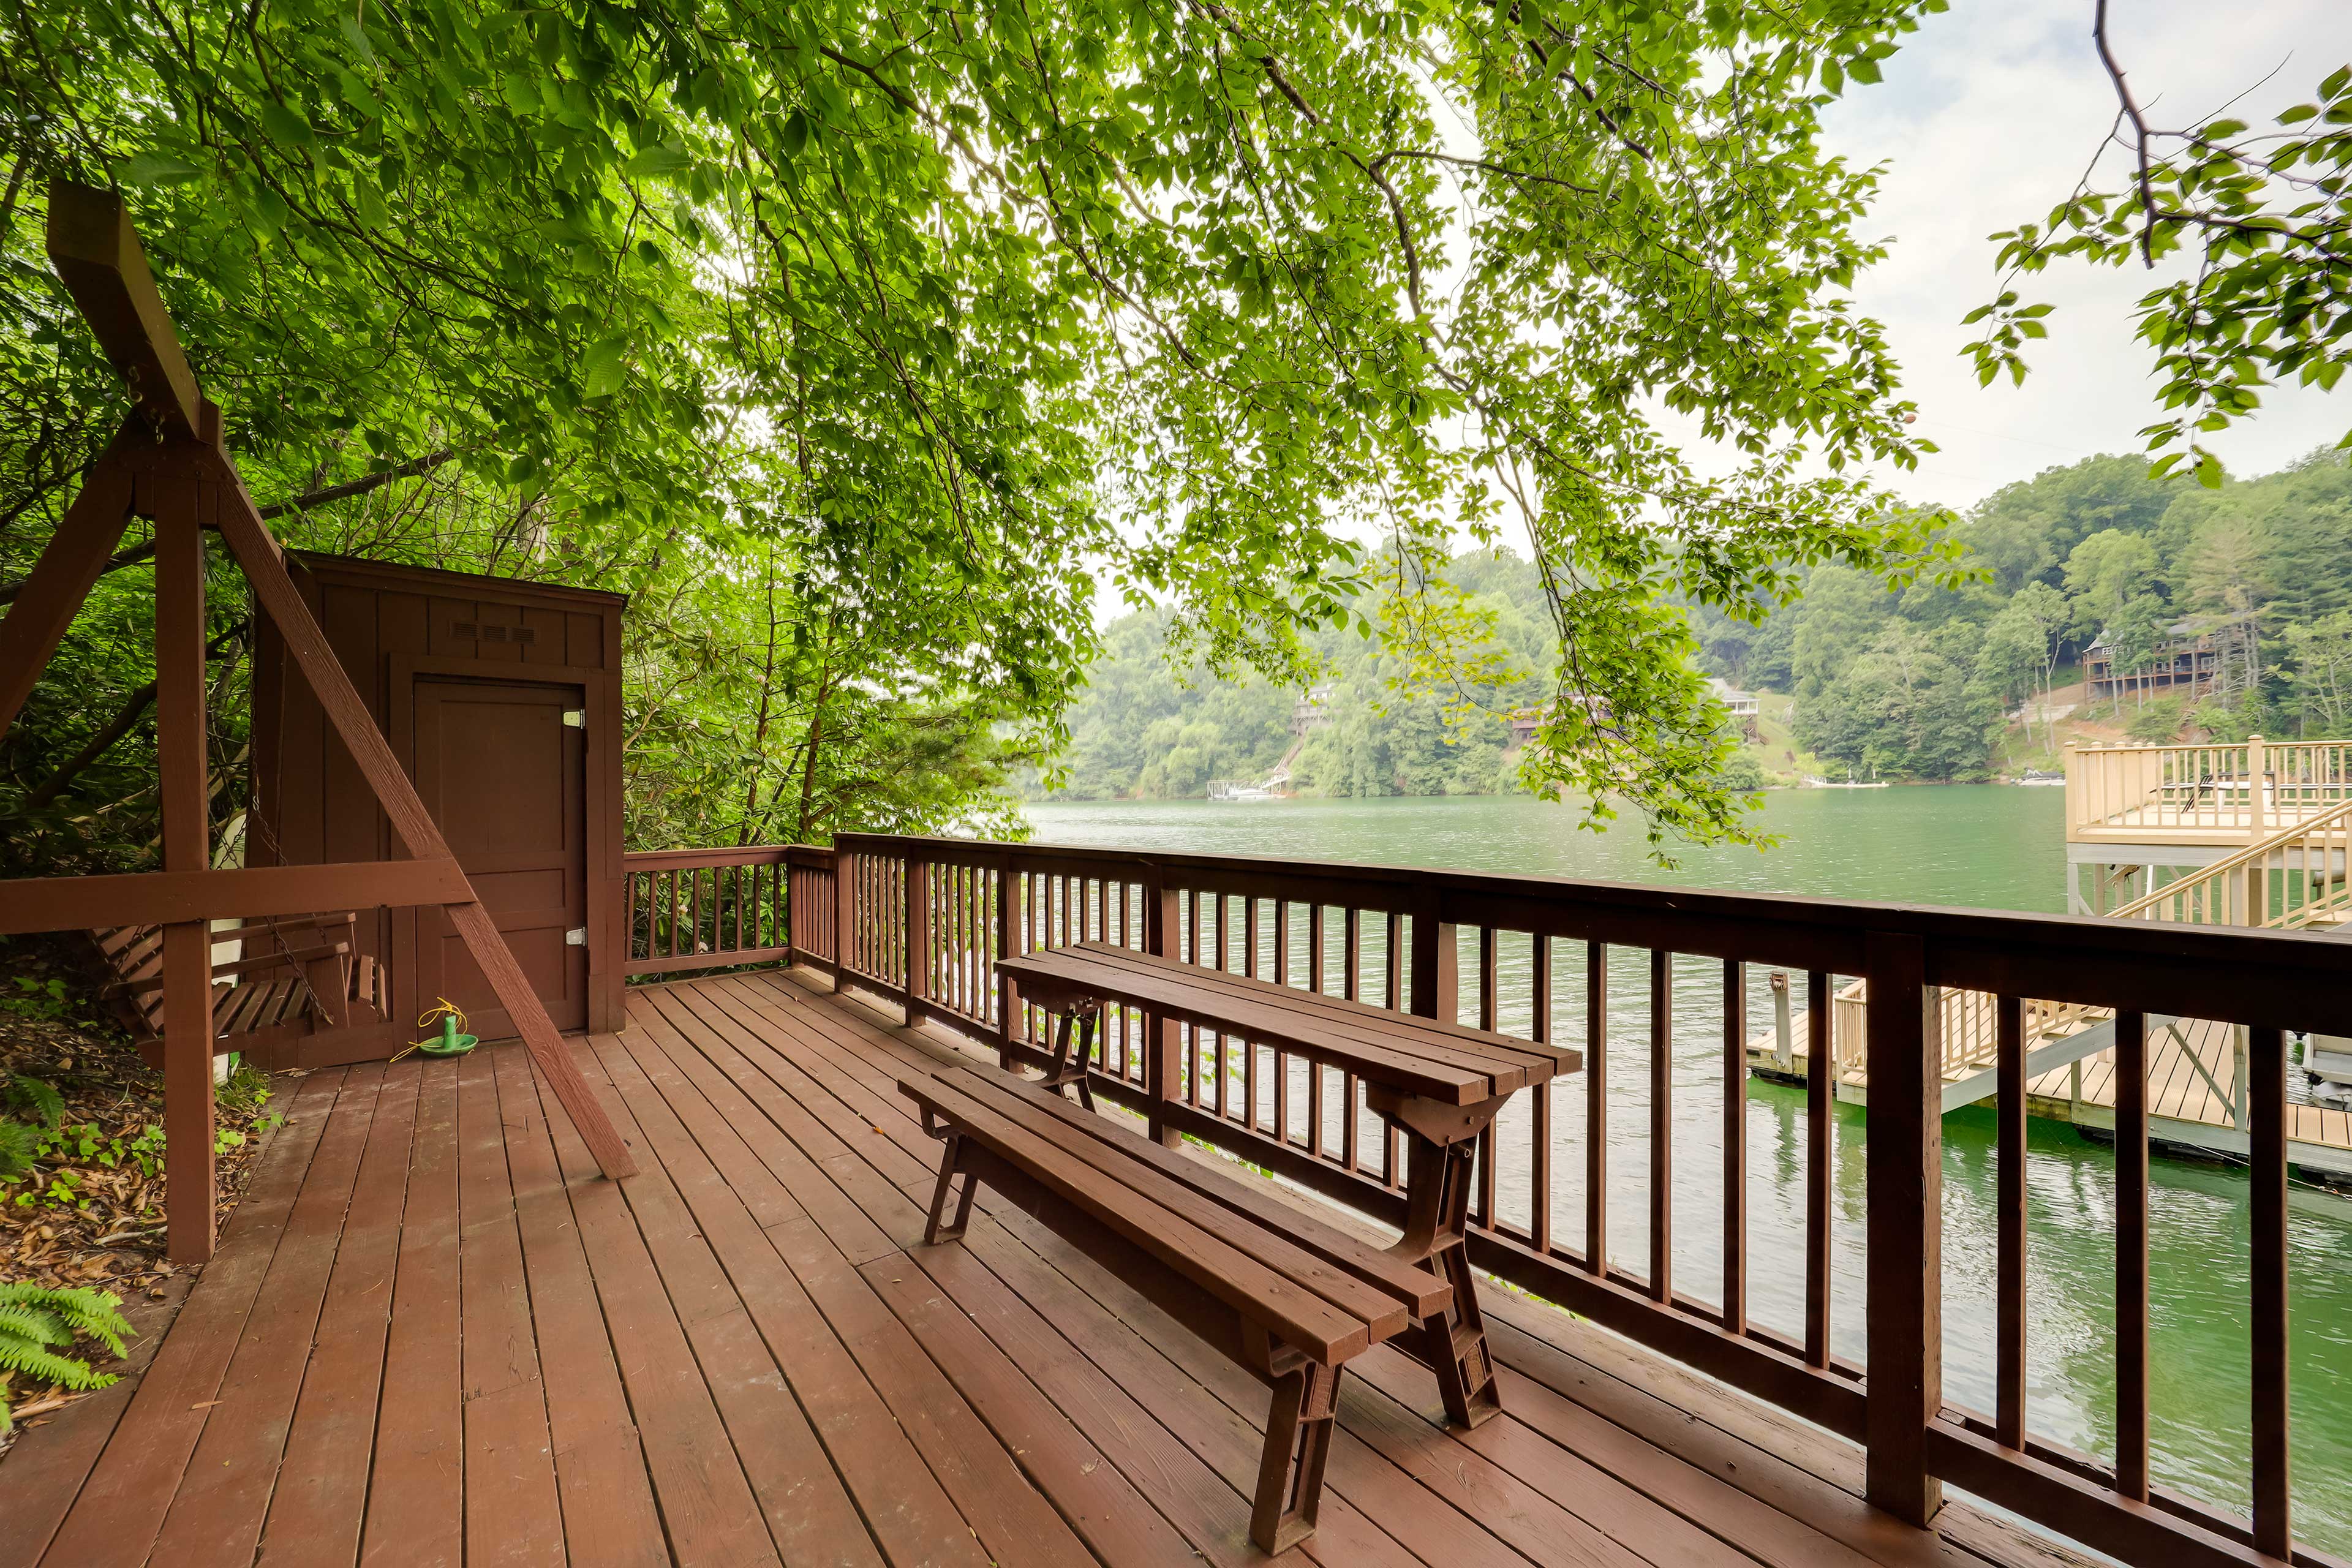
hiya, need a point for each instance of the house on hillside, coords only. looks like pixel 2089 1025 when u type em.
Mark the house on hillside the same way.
pixel 2195 660
pixel 1311 712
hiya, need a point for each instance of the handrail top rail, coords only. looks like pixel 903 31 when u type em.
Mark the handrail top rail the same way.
pixel 2285 979
pixel 2263 849
pixel 2267 745
pixel 684 859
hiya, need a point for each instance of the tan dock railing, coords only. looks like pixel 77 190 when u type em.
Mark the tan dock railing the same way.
pixel 2294 880
pixel 2202 793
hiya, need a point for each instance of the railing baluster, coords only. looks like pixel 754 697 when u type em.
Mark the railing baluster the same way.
pixel 2131 1254
pixel 1735 1147
pixel 1282 1058
pixel 1315 1069
pixel 1249 1048
pixel 2266 1129
pixel 1821 1148
pixel 1487 1012
pixel 1662 1128
pixel 1596 1108
pixel 1539 1156
pixel 1392 962
pixel 1351 978
pixel 2008 1290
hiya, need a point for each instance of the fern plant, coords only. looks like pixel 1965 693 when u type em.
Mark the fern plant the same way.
pixel 37 1096
pixel 20 1146
pixel 36 1324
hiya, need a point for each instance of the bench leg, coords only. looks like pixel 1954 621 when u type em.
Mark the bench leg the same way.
pixel 950 1166
pixel 1290 1471
pixel 1074 1044
pixel 1453 1343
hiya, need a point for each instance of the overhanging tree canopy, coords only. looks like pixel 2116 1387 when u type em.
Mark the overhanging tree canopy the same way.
pixel 935 305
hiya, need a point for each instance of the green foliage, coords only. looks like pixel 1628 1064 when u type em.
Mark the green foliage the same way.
pixel 2268 220
pixel 64 1149
pixel 36 1098
pixel 20 1146
pixel 2091 550
pixel 853 343
pixel 37 998
pixel 37 1323
pixel 1415 709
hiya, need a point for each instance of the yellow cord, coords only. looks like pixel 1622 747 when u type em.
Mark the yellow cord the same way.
pixel 443 1005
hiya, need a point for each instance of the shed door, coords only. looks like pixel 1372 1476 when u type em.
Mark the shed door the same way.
pixel 505 777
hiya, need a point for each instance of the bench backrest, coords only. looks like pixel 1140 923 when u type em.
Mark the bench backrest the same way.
pixel 135 954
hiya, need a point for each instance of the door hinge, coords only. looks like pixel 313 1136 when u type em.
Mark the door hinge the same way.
pixel 576 937
pixel 577 718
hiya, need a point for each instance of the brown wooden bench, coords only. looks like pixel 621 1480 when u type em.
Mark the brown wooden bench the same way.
pixel 306 977
pixel 1285 1296
pixel 1440 1084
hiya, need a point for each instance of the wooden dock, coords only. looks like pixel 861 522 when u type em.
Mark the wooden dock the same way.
pixel 434 1335
pixel 2194 1098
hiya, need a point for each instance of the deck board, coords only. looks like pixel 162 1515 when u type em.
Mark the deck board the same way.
pixel 434 1335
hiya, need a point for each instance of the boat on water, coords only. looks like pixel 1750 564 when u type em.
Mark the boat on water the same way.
pixel 1814 781
pixel 2042 776
pixel 1240 793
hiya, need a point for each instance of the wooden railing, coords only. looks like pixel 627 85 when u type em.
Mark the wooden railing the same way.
pixel 2300 875
pixel 2251 788
pixel 920 921
pixel 707 908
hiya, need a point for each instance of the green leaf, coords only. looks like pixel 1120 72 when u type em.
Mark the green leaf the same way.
pixel 151 168
pixel 603 369
pixel 657 161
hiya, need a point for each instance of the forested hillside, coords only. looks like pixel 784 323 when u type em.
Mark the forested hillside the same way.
pixel 1147 729
pixel 1916 685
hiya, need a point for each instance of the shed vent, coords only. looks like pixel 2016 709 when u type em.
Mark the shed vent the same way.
pixel 494 634
pixel 466 629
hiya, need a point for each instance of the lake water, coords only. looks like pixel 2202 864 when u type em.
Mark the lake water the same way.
pixel 1984 845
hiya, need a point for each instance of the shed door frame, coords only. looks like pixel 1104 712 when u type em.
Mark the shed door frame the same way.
pixel 600 690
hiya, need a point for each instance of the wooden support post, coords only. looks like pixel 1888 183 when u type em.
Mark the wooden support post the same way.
pixel 845 915
pixel 1904 1156
pixel 1436 964
pixel 916 922
pixel 1008 945
pixel 74 558
pixel 188 1112
pixel 1163 1073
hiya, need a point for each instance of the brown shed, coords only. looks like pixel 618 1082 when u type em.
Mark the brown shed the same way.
pixel 502 699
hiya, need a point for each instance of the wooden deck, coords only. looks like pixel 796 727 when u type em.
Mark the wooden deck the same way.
pixel 434 1335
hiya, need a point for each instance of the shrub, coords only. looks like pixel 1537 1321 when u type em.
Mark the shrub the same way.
pixel 37 1323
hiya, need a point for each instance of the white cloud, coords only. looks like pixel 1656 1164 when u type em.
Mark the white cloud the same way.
pixel 1987 117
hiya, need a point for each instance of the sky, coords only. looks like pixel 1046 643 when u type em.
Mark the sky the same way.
pixel 1987 117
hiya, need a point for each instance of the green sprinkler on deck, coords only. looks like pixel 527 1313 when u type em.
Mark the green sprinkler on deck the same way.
pixel 449 1042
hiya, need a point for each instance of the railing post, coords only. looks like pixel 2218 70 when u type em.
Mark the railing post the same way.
pixel 845 914
pixel 787 895
pixel 1436 963
pixel 1163 1081
pixel 188 1108
pixel 1009 885
pixel 1904 1156
pixel 916 888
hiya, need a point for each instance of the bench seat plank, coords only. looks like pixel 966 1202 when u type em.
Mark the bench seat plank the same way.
pixel 1383 1313
pixel 1476 1048
pixel 1446 1063
pixel 1290 1313
pixel 1422 1292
